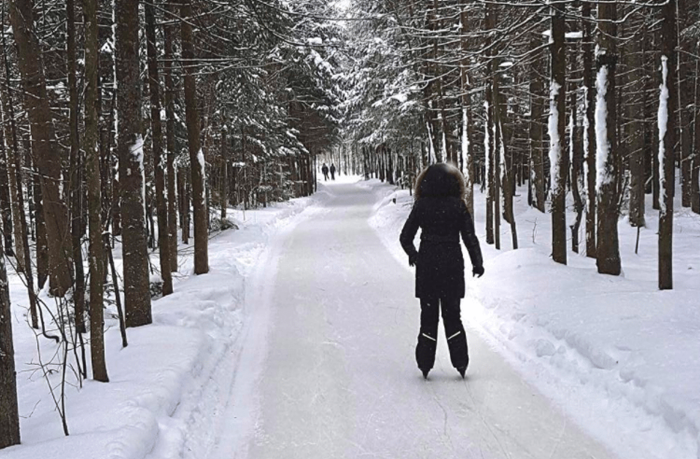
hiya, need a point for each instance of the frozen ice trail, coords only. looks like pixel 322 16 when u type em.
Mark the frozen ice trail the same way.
pixel 327 367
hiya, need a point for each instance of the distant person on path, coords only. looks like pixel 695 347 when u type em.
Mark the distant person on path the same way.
pixel 332 171
pixel 442 215
pixel 324 169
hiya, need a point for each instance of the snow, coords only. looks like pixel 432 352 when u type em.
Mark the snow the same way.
pixel 554 140
pixel 166 386
pixel 620 357
pixel 487 143
pixel 601 129
pixel 586 125
pixel 299 343
pixel 662 123
pixel 431 147
pixel 465 146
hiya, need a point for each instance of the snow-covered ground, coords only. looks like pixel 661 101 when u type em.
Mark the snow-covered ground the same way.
pixel 166 387
pixel 299 343
pixel 617 354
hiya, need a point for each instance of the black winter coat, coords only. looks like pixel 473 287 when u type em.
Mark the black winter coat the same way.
pixel 439 262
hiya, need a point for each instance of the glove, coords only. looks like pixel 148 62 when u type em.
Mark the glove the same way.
pixel 478 271
pixel 412 259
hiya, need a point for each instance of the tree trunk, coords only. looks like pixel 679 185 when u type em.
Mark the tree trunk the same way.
pixel 164 244
pixel 5 203
pixel 137 297
pixel 9 411
pixel 667 141
pixel 94 188
pixel 44 142
pixel 224 169
pixel 607 250
pixel 589 144
pixel 197 165
pixel 635 132
pixel 557 131
pixel 536 147
pixel 170 91
pixel 76 179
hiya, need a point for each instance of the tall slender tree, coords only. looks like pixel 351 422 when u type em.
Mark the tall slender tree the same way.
pixel 667 141
pixel 607 249
pixel 9 411
pixel 557 127
pixel 197 165
pixel 137 298
pixel 164 245
pixel 96 259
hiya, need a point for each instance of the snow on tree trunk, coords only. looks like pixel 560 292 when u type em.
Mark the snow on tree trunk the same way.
pixel 607 250
pixel 559 164
pixel 197 167
pixel 668 103
pixel 137 295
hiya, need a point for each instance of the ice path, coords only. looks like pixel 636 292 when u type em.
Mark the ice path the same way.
pixel 327 368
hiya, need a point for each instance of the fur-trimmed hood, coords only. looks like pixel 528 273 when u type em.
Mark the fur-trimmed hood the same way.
pixel 440 180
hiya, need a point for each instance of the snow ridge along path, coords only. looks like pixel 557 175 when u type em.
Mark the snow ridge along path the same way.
pixel 327 367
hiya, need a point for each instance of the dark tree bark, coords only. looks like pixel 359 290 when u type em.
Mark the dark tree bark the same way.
pixel 168 31
pixel 557 127
pixel 48 163
pixel 197 166
pixel 536 148
pixel 94 189
pixel 607 250
pixel 164 245
pixel 635 131
pixel 9 411
pixel 76 179
pixel 667 141
pixel 5 203
pixel 137 297
pixel 589 129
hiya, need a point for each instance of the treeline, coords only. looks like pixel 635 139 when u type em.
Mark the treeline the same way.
pixel 590 104
pixel 130 123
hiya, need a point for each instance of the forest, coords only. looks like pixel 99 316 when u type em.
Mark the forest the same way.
pixel 133 125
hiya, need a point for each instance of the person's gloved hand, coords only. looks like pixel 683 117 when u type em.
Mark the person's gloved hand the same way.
pixel 478 271
pixel 412 259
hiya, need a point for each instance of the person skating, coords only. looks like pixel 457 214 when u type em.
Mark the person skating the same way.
pixel 324 169
pixel 332 171
pixel 442 215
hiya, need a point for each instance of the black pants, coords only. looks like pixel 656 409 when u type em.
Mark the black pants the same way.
pixel 454 331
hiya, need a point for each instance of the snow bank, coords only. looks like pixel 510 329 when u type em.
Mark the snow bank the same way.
pixel 169 385
pixel 619 356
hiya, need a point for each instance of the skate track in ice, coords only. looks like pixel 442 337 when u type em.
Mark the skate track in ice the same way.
pixel 327 367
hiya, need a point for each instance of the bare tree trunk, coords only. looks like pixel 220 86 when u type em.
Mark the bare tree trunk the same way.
pixel 164 244
pixel 5 203
pixel 557 132
pixel 607 250
pixel 197 166
pixel 76 179
pixel 667 141
pixel 170 91
pixel 9 411
pixel 94 189
pixel 589 144
pixel 39 112
pixel 224 166
pixel 137 297
pixel 536 147
pixel 635 132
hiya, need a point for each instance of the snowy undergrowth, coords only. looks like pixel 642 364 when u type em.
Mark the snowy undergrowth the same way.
pixel 168 386
pixel 621 357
